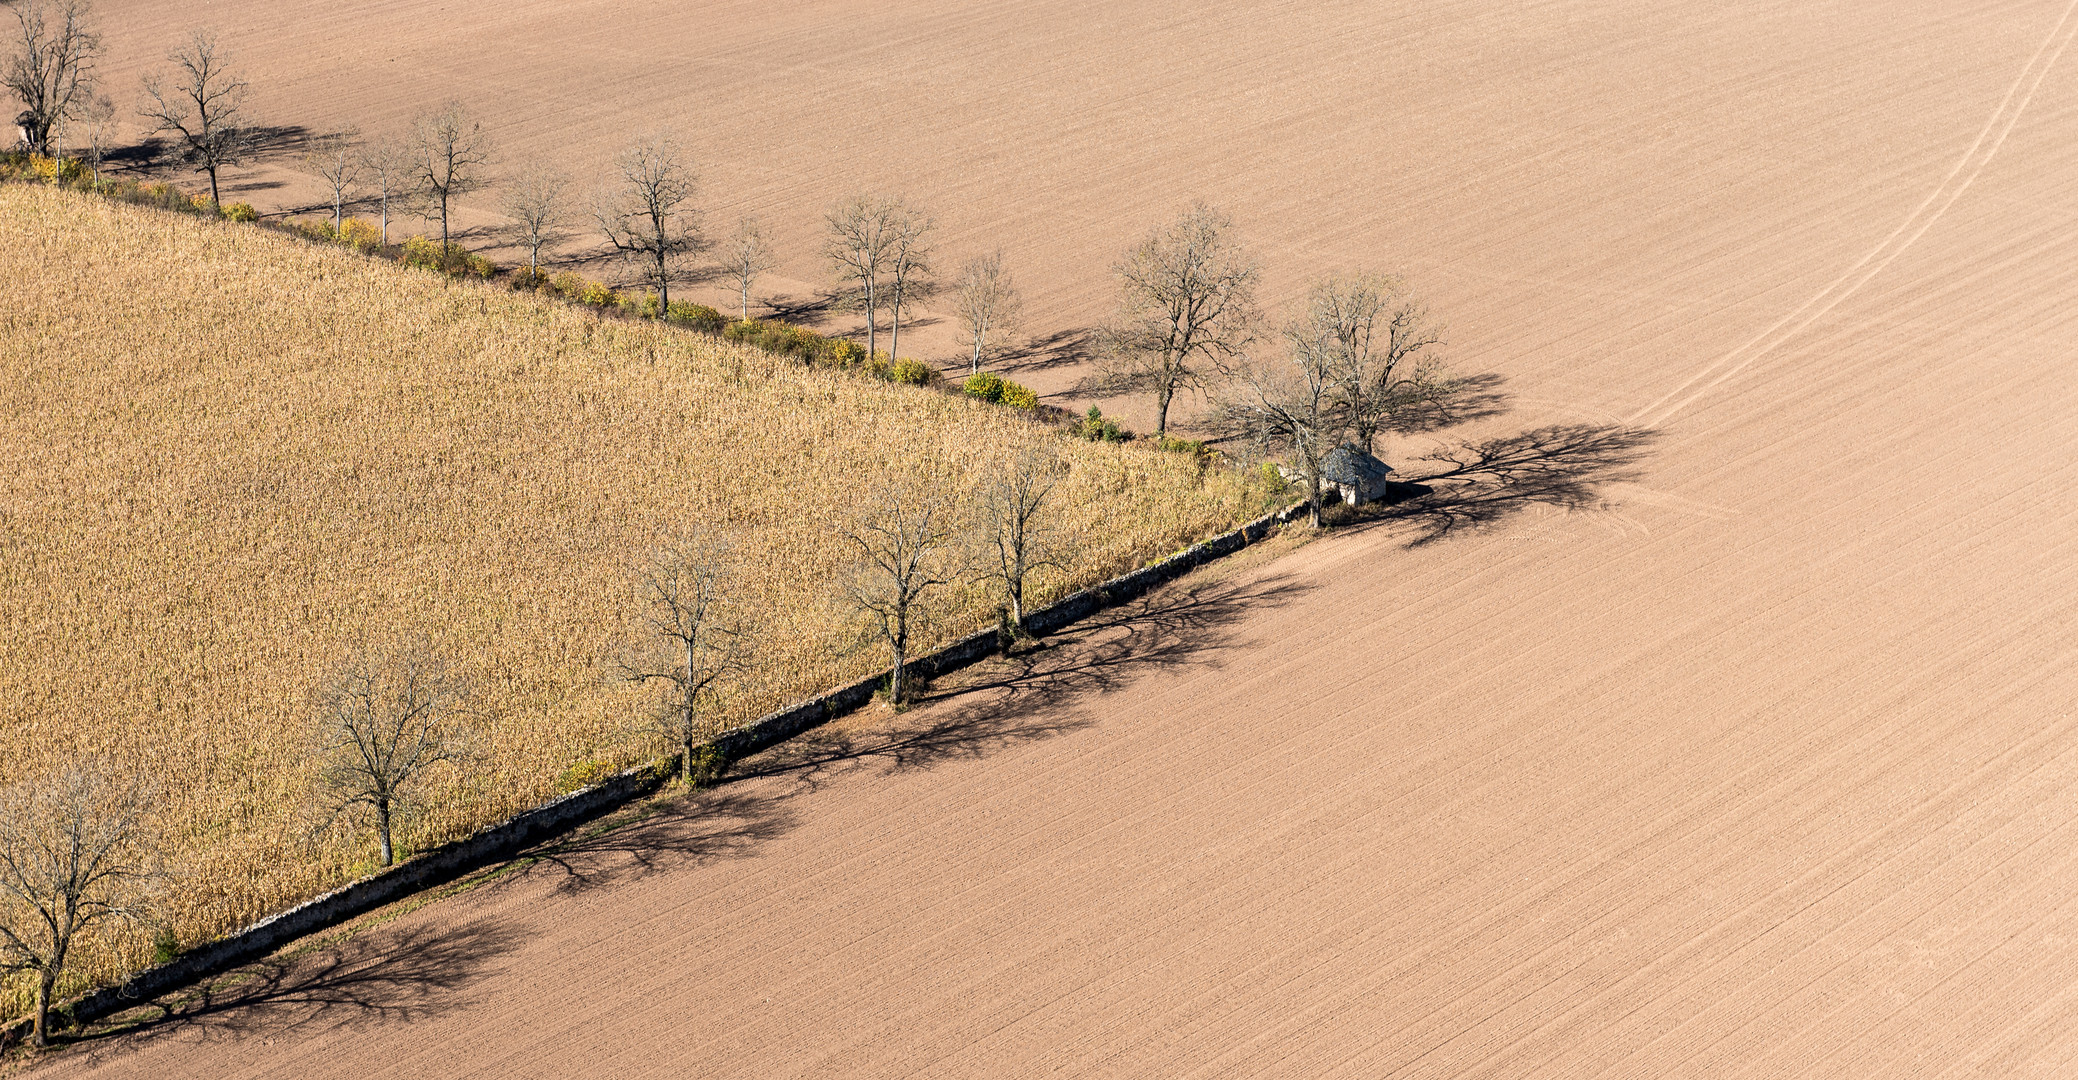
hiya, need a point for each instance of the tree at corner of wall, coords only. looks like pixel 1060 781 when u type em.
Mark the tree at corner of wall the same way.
pixel 202 103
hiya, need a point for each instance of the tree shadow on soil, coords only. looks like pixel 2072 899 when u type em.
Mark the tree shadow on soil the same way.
pixel 404 974
pixel 700 828
pixel 1026 696
pixel 1562 465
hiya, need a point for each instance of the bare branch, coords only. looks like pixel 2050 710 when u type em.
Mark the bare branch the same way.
pixel 449 152
pixel 535 201
pixel 860 246
pixel 1016 534
pixel 386 161
pixel 337 160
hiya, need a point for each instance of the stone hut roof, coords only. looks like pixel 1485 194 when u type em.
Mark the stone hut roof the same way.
pixel 1346 464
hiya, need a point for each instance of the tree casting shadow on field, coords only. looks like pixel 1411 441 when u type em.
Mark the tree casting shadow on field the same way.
pixel 1027 696
pixel 1562 465
pixel 401 975
pixel 692 831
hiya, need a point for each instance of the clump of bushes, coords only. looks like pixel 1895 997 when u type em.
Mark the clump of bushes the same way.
pixel 1095 427
pixel 241 211
pixel 1180 446
pixel 910 371
pixel 451 260
pixel 697 316
pixel 997 390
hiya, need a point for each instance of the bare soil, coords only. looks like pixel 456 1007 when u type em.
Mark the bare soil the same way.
pixel 1709 716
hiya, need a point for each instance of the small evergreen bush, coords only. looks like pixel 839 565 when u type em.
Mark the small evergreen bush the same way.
pixel 1018 396
pixel 986 385
pixel 1096 428
pixel 241 211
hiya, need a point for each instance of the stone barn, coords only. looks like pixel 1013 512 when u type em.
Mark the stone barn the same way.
pixel 1355 474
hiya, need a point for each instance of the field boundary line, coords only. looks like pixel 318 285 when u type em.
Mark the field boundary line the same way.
pixel 1895 244
pixel 493 844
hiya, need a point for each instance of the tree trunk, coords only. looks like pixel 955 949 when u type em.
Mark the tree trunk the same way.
pixel 46 982
pixel 746 299
pixel 977 356
pixel 1017 608
pixel 213 200
pixel 901 644
pixel 872 337
pixel 1313 496
pixel 685 763
pixel 443 223
pixel 663 280
pixel 338 213
pixel 1161 408
pixel 382 832
pixel 894 326
pixel 386 218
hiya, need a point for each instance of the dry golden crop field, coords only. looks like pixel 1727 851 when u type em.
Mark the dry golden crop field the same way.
pixel 1729 734
pixel 230 460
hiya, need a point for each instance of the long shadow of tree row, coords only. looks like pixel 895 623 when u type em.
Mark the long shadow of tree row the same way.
pixel 1478 483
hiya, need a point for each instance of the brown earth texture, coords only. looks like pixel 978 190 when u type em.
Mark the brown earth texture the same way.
pixel 1711 717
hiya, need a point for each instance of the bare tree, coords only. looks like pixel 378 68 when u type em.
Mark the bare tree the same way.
pixel 75 851
pixel 534 200
pixel 747 255
pixel 860 247
pixel 907 548
pixel 337 160
pixel 1290 406
pixel 649 220
pixel 1016 537
pixel 387 162
pixel 95 118
pixel 987 303
pixel 909 269
pixel 205 106
pixel 52 67
pixel 1187 298
pixel 693 645
pixel 449 153
pixel 1381 341
pixel 382 722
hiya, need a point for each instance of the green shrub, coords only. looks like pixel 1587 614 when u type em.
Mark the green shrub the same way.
pixel 697 316
pixel 597 294
pixel 845 353
pixel 364 237
pixel 1096 428
pixel 910 371
pixel 986 385
pixel 580 775
pixel 1019 397
pixel 241 211
pixel 526 278
pixel 452 261
pixel 1179 446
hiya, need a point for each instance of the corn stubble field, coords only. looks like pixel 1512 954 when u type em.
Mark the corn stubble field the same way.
pixel 230 460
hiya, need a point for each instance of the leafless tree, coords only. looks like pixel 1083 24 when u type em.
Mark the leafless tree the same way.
pixel 909 269
pixel 1290 405
pixel 337 160
pixel 1187 299
pixel 987 303
pixel 745 257
pixel 382 722
pixel 95 118
pixel 449 152
pixel 859 245
pixel 52 66
pixel 1381 341
pixel 76 850
pixel 387 162
pixel 205 106
pixel 649 220
pixel 908 547
pixel 535 202
pixel 693 645
pixel 1016 536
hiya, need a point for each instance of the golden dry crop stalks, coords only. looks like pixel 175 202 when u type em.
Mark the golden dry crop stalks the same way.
pixel 227 457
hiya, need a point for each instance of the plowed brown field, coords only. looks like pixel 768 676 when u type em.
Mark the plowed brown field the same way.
pixel 1763 763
